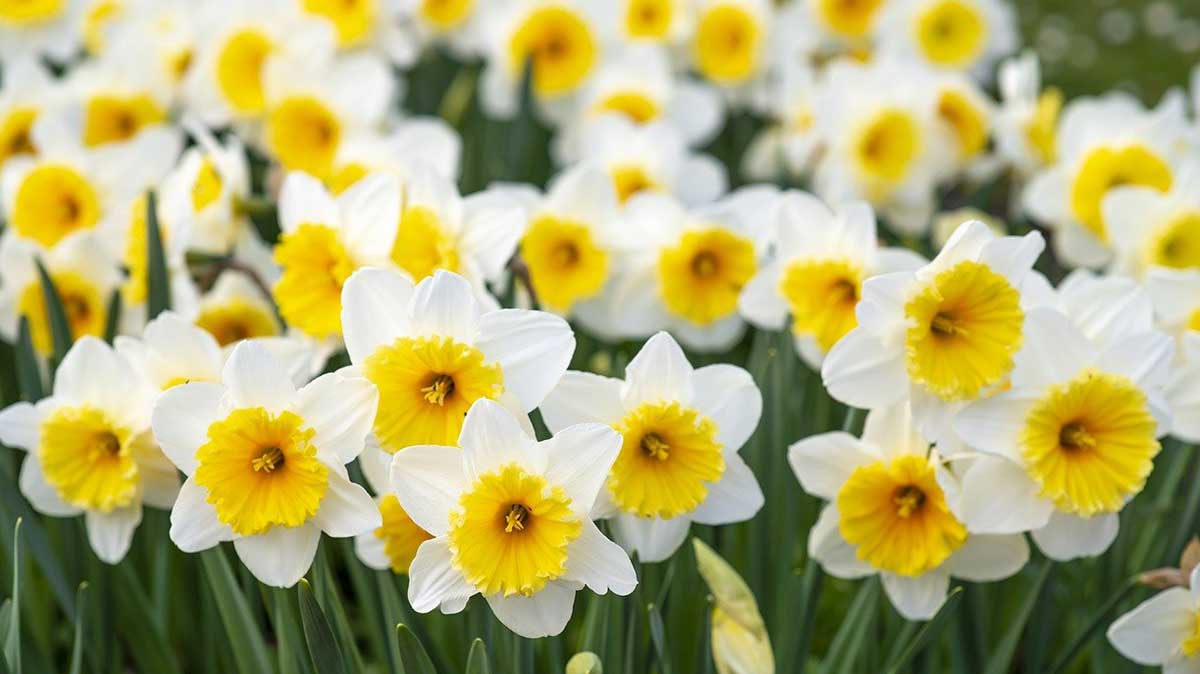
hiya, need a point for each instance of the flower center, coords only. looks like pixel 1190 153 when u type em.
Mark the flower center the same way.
pixel 561 45
pixel 422 246
pixel 969 123
pixel 446 14
pixel 648 18
pixel 703 274
pixel 566 265
pixel 951 33
pixel 240 69
pixel 111 119
pixel 270 459
pixel 54 200
pixel 86 311
pixel 514 519
pixel 632 179
pixel 654 446
pixel 304 134
pixel 726 45
pixel 88 459
pixel 30 11
pixel 1107 167
pixel 908 500
pixel 15 133
pixel 1177 244
pixel 441 388
pixel 822 296
pixel 637 106
pixel 887 146
pixel 851 18
pixel 235 320
pixel 352 19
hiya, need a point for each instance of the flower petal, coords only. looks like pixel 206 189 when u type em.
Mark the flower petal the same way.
pixel 492 437
pixel 533 347
pixel 347 509
pixel 341 410
pixel 181 419
pixel 20 426
pixel 432 580
pixel 652 539
pixel 728 395
pixel 428 481
pixel 194 523
pixel 599 563
pixel 374 310
pixel 997 497
pixel 281 556
pixel 822 463
pixel 256 379
pixel 1066 537
pixel 444 305
pixel 111 533
pixel 1152 633
pixel 917 598
pixel 578 460
pixel 41 496
pixel 984 558
pixel 735 498
pixel 659 372
pixel 541 615
pixel 581 397
pixel 836 556
pixel 863 372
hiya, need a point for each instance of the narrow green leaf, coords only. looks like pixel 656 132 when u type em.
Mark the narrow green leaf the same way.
pixel 29 375
pixel 56 315
pixel 322 647
pixel 1001 658
pixel 1094 626
pixel 158 282
pixel 929 632
pixel 145 636
pixel 241 629
pixel 477 659
pixel 39 544
pixel 113 319
pixel 286 620
pixel 659 638
pixel 325 589
pixel 12 639
pixel 810 593
pixel 413 657
pixel 80 611
pixel 847 644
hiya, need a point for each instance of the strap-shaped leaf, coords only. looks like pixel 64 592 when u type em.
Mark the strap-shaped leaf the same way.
pixel 318 635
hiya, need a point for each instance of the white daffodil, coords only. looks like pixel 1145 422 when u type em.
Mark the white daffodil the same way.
pixel 473 237
pixel 433 350
pixel 844 23
pixel 171 352
pixel 729 42
pixel 83 273
pixel 961 35
pixel 427 141
pixel 563 40
pixel 68 188
pixel 892 511
pixel 651 158
pixel 1176 298
pixel 90 450
pixel 207 185
pixel 684 270
pixel 815 274
pixel 884 142
pixel 162 29
pixel 393 545
pixel 662 23
pixel 266 462
pixel 238 39
pixel 966 115
pixel 681 431
pixel 790 143
pixel 1102 143
pixel 571 241
pixel 638 83
pixel 510 519
pixel 311 109
pixel 324 240
pixel 374 25
pixel 1074 436
pixel 942 335
pixel 1027 121
pixel 34 29
pixel 27 90
pixel 1152 228
pixel 1163 630
pixel 456 24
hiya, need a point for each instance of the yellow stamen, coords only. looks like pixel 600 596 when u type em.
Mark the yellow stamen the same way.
pixel 441 388
pixel 514 520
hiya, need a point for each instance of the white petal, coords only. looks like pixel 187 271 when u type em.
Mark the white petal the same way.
pixel 735 498
pixel 652 539
pixel 374 310
pixel 111 533
pixel 1107 309
pixel 881 309
pixel 444 305
pixel 428 480
pixel 1066 537
pixel 578 460
pixel 533 347
pixel 541 615
pixel 1153 632
pixel 998 497
pixel 160 477
pixel 281 556
pixel 432 580
pixel 1012 256
pixel 659 372
pixel 728 395
pixel 194 523
pixel 371 209
pixel 372 551
pixel 303 200
pixel 581 397
pixel 1145 359
pixel 41 496
pixel 256 379
pixel 985 558
pixel 347 509
pixel 836 556
pixel 861 371
pixel 341 410
pixel 917 598
pixel 494 223
pixel 994 425
pixel 1054 350
pixel 823 463
pixel 760 301
pixel 171 336
pixel 20 426
pixel 88 373
pixel 491 437
pixel 599 563
pixel 181 419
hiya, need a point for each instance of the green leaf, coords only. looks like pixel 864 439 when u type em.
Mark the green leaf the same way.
pixel 29 375
pixel 113 319
pixel 322 647
pixel 145 636
pixel 12 637
pixel 477 659
pixel 413 657
pixel 659 638
pixel 158 282
pixel 286 621
pixel 39 544
pixel 848 643
pixel 56 316
pixel 80 611
pixel 1098 621
pixel 331 603
pixel 1001 658
pixel 243 632
pixel 928 633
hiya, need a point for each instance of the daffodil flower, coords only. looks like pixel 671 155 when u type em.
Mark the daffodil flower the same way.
pixel 1164 630
pixel 1176 298
pixel 957 35
pixel 1151 228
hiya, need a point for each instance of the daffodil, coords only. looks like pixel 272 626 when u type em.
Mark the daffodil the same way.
pixel 654 22
pixel 393 545
pixel 510 519
pixel 845 22
pixel 790 143
pixel 48 28
pixel 1176 298
pixel 161 32
pixel 1027 121
pixel 815 275
pixel 1163 630
pixel 1103 143
pixel 90 450
pixel 942 335
pixel 456 24
pixel 131 245
pixel 1073 437
pixel 433 350
pixel 172 352
pixel 207 185
pixel 408 144
pixel 84 276
pixel 893 511
pixel 681 429
pixel 959 35
pixel 110 100
pixel 26 91
pixel 1153 228
pixel 365 25
pixel 684 270
pixel 324 240
pixel 966 115
pixel 729 41
pixel 265 462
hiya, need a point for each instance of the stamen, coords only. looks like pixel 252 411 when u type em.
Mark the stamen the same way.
pixel 704 264
pixel 908 500
pixel 441 388
pixel 267 462
pixel 566 254
pixel 514 520
pixel 108 443
pixel 653 445
pixel 944 325
pixel 1075 436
